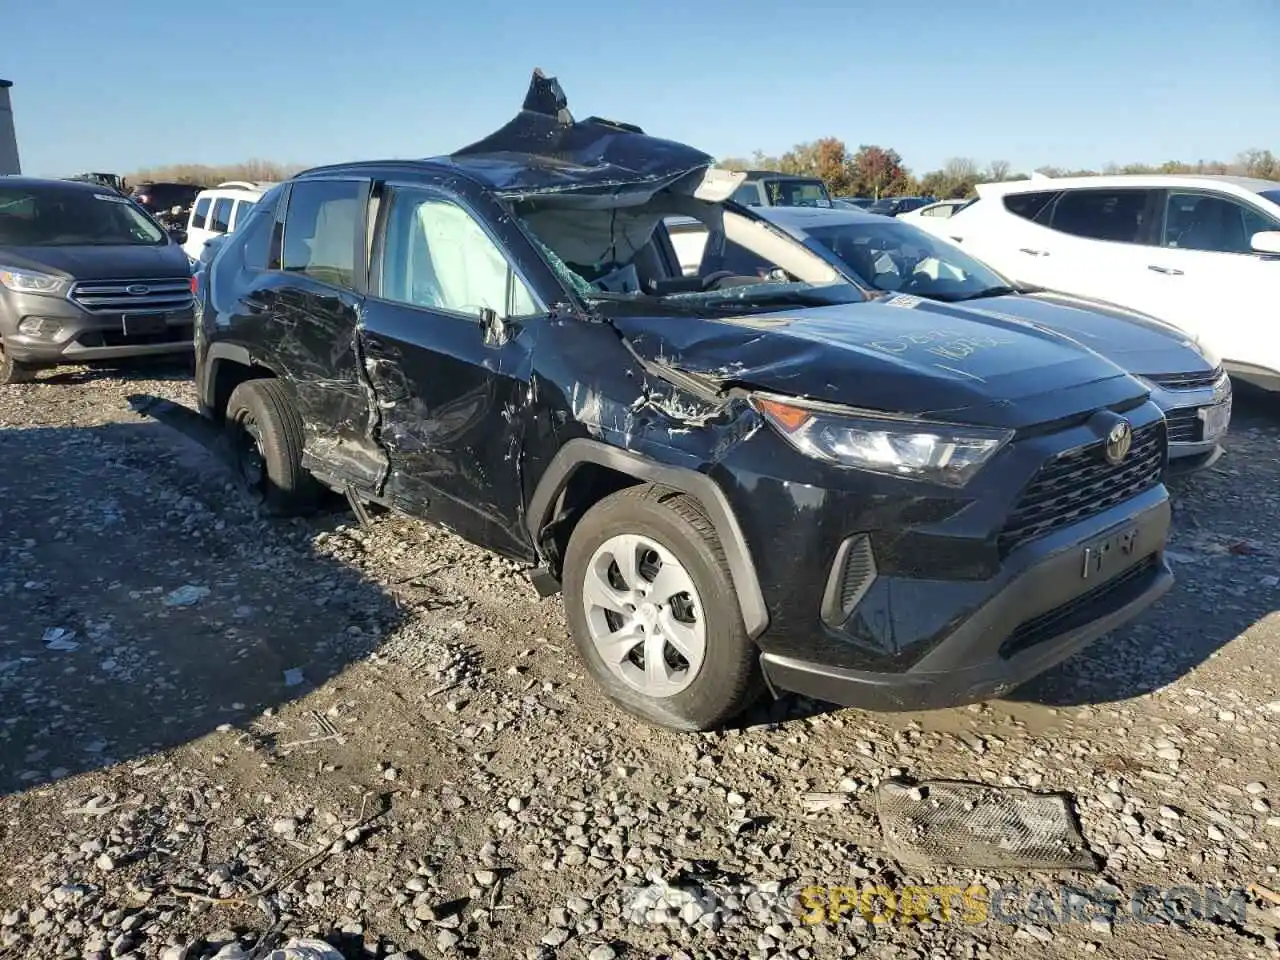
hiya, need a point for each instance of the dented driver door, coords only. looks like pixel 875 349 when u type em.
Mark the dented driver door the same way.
pixel 447 338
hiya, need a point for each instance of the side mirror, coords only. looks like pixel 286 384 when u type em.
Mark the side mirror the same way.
pixel 179 235
pixel 1268 241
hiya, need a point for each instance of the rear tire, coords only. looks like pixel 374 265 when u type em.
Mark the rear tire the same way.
pixel 663 637
pixel 265 433
pixel 14 371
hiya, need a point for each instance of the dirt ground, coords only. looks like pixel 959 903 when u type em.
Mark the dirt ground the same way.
pixel 220 731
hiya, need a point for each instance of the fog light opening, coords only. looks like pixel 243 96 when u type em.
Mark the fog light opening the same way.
pixel 46 328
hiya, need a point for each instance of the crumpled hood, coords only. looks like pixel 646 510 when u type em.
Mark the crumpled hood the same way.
pixel 94 262
pixel 904 355
pixel 1136 342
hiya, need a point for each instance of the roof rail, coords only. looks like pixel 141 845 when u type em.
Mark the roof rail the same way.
pixel 246 184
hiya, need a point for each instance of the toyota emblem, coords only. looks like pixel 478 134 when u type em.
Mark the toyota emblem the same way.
pixel 1119 440
pixel 137 290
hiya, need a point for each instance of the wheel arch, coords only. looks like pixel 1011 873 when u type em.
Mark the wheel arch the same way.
pixel 226 366
pixel 613 469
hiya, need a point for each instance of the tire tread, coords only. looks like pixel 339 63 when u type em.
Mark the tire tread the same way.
pixel 293 490
pixel 734 689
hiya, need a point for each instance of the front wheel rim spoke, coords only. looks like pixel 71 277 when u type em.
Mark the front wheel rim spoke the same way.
pixel 687 638
pixel 657 673
pixel 672 581
pixel 618 646
pixel 601 595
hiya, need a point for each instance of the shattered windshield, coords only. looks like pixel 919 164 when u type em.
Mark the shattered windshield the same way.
pixel 898 257
pixel 613 257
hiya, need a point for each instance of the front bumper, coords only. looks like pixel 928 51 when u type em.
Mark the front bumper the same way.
pixel 1038 615
pixel 890 594
pixel 47 331
pixel 1189 414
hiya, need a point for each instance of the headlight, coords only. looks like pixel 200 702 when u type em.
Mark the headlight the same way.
pixel 938 452
pixel 29 281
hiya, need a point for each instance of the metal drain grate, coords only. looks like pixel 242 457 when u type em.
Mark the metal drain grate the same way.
pixel 960 824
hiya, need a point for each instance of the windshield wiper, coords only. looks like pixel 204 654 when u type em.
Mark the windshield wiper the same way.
pixel 612 297
pixel 1001 290
pixel 648 301
pixel 794 298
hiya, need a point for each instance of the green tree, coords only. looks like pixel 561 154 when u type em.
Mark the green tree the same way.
pixel 878 172
pixel 827 159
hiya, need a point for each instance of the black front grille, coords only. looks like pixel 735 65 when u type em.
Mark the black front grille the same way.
pixel 1186 381
pixel 1089 606
pixel 133 296
pixel 1081 483
pixel 1185 426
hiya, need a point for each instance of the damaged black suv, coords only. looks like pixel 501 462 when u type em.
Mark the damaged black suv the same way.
pixel 893 504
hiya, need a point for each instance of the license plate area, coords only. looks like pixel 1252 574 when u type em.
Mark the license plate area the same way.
pixel 1215 419
pixel 1104 556
pixel 144 324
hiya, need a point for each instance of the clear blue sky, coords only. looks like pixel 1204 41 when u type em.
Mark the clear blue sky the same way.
pixel 118 86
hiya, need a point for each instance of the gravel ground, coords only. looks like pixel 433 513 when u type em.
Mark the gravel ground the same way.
pixel 219 731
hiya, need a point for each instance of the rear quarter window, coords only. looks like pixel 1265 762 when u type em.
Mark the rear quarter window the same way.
pixel 254 234
pixel 1030 206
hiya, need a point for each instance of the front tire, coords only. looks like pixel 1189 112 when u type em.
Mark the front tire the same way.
pixel 265 433
pixel 652 609
pixel 14 371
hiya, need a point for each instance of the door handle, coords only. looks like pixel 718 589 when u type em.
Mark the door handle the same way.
pixel 1034 253
pixel 1168 271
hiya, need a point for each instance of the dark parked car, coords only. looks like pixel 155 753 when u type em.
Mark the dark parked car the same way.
pixel 85 274
pixel 173 200
pixel 893 256
pixel 892 206
pixel 732 479
pixel 112 180
pixel 768 188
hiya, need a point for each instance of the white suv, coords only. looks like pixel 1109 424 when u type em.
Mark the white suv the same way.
pixel 1200 252
pixel 218 210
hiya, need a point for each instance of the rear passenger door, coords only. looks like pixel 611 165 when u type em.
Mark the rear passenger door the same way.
pixel 448 338
pixel 313 304
pixel 198 227
pixel 1092 242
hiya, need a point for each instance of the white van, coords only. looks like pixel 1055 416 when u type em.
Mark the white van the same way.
pixel 218 210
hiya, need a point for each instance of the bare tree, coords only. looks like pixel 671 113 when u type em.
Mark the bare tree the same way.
pixel 998 171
